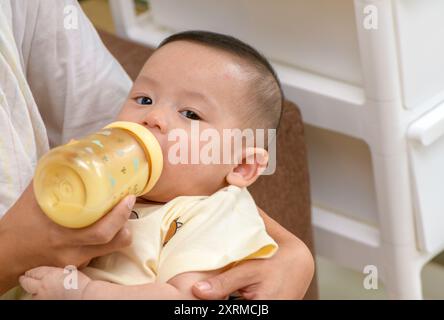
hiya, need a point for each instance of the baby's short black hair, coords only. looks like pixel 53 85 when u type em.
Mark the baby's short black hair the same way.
pixel 266 109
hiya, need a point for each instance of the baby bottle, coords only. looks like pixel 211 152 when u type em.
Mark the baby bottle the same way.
pixel 77 183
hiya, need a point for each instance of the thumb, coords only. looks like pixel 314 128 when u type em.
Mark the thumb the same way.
pixel 222 285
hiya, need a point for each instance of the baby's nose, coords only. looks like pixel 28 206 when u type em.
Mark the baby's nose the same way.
pixel 156 120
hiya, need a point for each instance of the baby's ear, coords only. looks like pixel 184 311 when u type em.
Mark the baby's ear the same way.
pixel 254 162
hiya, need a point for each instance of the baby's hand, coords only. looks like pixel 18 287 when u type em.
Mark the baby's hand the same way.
pixel 49 283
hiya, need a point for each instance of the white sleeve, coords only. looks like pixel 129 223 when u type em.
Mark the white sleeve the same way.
pixel 77 84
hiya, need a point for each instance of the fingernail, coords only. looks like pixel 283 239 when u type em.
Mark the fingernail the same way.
pixel 131 201
pixel 203 286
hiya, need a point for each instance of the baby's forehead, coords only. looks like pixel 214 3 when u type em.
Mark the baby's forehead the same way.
pixel 222 73
pixel 193 55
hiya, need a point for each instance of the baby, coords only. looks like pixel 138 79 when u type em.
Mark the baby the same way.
pixel 199 219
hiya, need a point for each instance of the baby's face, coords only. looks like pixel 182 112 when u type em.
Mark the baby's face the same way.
pixel 180 83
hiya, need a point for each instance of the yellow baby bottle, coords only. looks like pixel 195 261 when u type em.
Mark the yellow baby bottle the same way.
pixel 77 183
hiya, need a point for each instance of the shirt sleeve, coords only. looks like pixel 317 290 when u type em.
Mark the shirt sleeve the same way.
pixel 77 84
pixel 218 232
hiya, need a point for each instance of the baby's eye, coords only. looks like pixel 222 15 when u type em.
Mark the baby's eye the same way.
pixel 190 115
pixel 144 100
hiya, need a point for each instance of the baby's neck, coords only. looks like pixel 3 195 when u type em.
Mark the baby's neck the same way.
pixel 145 201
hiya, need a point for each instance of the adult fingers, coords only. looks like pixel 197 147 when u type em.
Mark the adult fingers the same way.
pixel 106 229
pixel 121 240
pixel 222 285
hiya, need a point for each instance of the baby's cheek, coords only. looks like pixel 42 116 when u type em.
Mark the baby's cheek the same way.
pixel 126 114
pixel 209 177
pixel 188 179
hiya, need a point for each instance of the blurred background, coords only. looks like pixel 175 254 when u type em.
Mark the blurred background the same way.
pixel 347 81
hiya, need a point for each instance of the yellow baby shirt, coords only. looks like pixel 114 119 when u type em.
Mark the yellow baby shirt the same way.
pixel 189 233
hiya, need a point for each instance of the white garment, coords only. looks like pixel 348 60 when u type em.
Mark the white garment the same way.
pixel 55 84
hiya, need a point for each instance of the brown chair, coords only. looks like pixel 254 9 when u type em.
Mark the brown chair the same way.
pixel 285 195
